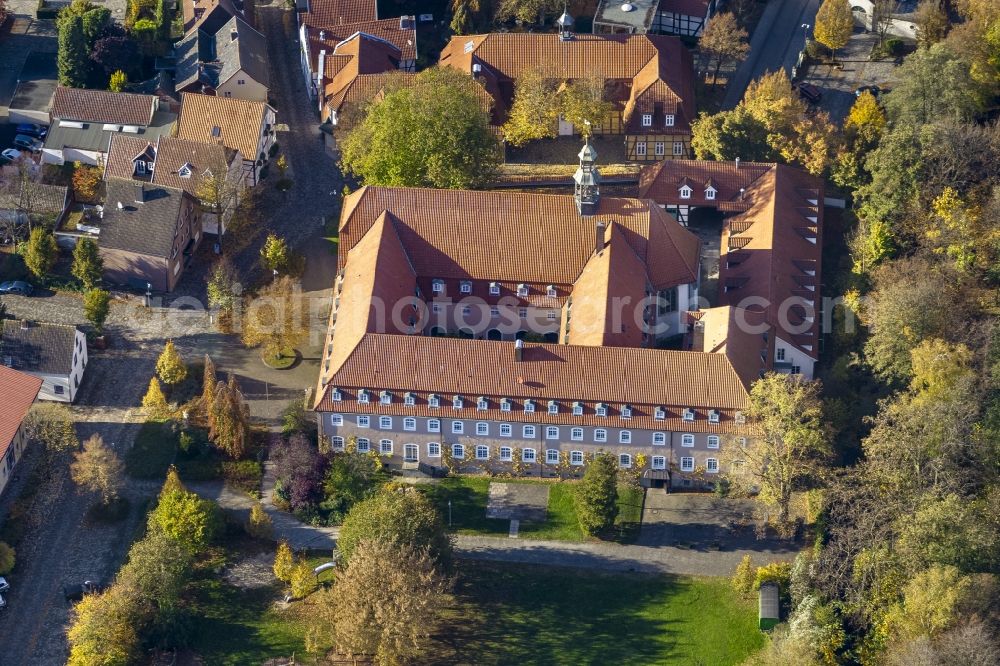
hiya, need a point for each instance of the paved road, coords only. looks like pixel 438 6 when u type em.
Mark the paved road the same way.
pixel 775 44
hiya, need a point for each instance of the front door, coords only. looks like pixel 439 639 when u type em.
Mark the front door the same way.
pixel 411 453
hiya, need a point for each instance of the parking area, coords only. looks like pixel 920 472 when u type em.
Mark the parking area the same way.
pixel 854 70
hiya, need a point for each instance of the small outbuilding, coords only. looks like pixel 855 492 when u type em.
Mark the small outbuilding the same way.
pixel 770 606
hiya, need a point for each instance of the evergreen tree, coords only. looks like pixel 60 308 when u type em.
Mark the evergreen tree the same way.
pixel 154 402
pixel 73 54
pixel 170 366
pixel 87 263
pixel 42 251
pixel 597 495
pixel 229 419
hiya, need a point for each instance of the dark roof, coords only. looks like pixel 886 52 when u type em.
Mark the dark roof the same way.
pixel 41 348
pixel 213 53
pixel 146 227
pixel 102 106
pixel 638 19
pixel 43 198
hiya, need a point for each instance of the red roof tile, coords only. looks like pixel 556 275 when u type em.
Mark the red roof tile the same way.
pixel 17 393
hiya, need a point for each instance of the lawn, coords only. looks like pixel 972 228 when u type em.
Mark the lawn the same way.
pixel 153 451
pixel 518 614
pixel 468 496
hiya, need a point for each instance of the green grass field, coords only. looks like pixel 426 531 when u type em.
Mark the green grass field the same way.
pixel 469 494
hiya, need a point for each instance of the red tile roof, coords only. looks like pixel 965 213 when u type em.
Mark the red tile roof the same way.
pixel 17 393
pixel 102 106
pixel 340 12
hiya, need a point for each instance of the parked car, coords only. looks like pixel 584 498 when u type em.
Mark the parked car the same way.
pixel 76 592
pixel 4 585
pixel 9 155
pixel 3 604
pixel 16 287
pixel 809 92
pixel 28 143
pixel 31 129
pixel 874 90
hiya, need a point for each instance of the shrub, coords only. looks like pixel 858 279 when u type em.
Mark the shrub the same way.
pixel 744 577
pixel 405 517
pixel 259 525
pixel 302 580
pixel 245 475
pixel 775 572
pixel 86 182
pixel 7 559
pixel 284 562
pixel 597 495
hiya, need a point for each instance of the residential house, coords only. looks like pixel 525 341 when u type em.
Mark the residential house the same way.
pixel 326 30
pixel 223 56
pixel 148 234
pixel 54 353
pixel 902 22
pixel 242 125
pixel 184 165
pixel 436 348
pixel 17 393
pixel 648 78
pixel 771 246
pixel 197 11
pixel 673 17
pixel 82 123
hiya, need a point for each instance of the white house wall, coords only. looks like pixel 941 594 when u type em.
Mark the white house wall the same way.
pixel 793 356
pixel 250 89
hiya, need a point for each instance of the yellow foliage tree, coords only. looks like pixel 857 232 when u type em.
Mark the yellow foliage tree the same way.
pixel 154 402
pixel 834 25
pixel 866 121
pixel 170 366
pixel 302 580
pixel 103 631
pixel 284 562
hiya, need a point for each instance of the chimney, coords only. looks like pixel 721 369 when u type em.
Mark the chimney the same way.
pixel 599 231
pixel 518 350
pixel 140 194
pixel 322 35
pixel 742 190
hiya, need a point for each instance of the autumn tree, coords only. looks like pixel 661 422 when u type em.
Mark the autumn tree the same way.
pixel 582 102
pixel 932 22
pixel 284 562
pixel 118 81
pixel 791 444
pixel 88 267
pixel 387 602
pixel 170 367
pixel 154 403
pixel 597 495
pixel 224 287
pixel 52 426
pixel 96 307
pixel 834 25
pixel 98 468
pixel 208 385
pixel 86 183
pixel 399 517
pixel 191 521
pixel 229 419
pixel 724 41
pixel 103 631
pixel 41 254
pixel 273 320
pixel 531 12
pixel 866 121
pixel 258 524
pixel 275 254
pixel 301 580
pixel 433 133
pixel 535 110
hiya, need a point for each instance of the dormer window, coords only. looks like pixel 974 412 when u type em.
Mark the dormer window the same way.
pixel 550 291
pixel 494 288
pixel 668 120
pixel 710 193
pixel 688 414
pixel 185 170
pixel 713 416
pixel 601 409
pixel 659 414
pixel 685 192
pixel 522 290
pixel 336 395
pixel 740 417
pixel 647 120
pixel 409 399
pixel 553 407
pixel 466 287
pixel 385 398
pixel 434 400
pixel 577 409
pixel 504 404
pixel 457 402
pixel 626 411
pixel 437 286
pixel 482 405
pixel 363 397
pixel 529 406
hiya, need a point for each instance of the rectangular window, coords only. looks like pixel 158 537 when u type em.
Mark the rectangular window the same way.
pixel 625 437
pixel 458 451
pixel 433 425
pixel 482 452
pixel 658 149
pixel 688 415
pixel 576 457
pixel 600 435
pixel 710 194
pixel 437 286
pixel 552 432
pixel 626 412
pixel 552 456
pixel 482 405
pixel 659 438
pixel 796 370
pixel 505 405
pixel 385 422
pixel 433 401
pixel 385 447
pixel 494 311
pixel 553 407
pixel 528 455
pixel 713 441
pixel 494 288
pixel 435 308
pixel 576 434
pixel 505 430
pixel 647 120
pixel 659 462
pixel 482 428
pixel 336 395
pixel 528 432
pixel 687 464
pixel 506 453
pixel 409 423
pixel 602 409
pixel 457 427
pixel 640 148
pixel 409 400
pixel 779 354
pixel 364 421
pixel 577 409
pixel 712 465
pixel 713 416
pixel 678 147
pixel 466 287
pixel 687 440
pixel 625 460
pixel 668 120
pixel 433 450
pixel 364 445
pixel 336 419
pixel 522 290
pixel 529 407
pixel 552 315
pixel 363 397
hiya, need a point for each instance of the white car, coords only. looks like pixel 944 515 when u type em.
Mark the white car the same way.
pixel 4 585
pixel 10 155
pixel 3 604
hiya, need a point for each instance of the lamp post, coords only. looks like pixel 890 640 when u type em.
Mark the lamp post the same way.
pixel 449 513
